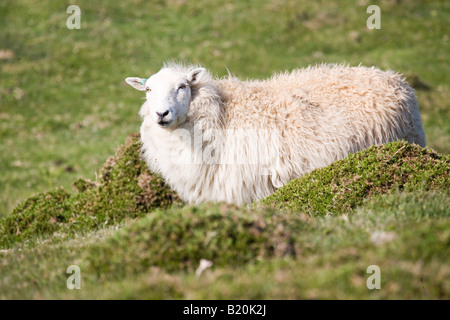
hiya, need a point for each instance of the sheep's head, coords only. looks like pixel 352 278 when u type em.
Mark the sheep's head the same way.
pixel 168 94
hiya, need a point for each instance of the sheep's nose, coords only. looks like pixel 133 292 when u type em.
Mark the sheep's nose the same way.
pixel 162 115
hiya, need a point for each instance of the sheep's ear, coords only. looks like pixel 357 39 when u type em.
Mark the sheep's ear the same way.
pixel 194 76
pixel 137 83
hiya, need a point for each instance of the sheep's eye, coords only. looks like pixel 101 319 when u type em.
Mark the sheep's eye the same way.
pixel 182 86
pixel 148 89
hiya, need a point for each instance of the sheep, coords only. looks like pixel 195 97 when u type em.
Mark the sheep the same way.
pixel 235 141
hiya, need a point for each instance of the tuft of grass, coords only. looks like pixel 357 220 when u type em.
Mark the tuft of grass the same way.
pixel 124 189
pixel 345 184
pixel 176 239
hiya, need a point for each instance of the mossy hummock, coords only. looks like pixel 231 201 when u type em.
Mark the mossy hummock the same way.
pixel 346 184
pixel 124 188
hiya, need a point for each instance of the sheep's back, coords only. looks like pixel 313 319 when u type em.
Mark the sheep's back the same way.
pixel 359 103
pixel 322 114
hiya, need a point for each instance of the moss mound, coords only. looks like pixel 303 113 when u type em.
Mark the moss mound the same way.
pixel 124 189
pixel 346 184
pixel 177 238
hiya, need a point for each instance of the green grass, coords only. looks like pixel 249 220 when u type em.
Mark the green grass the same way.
pixel 257 253
pixel 64 109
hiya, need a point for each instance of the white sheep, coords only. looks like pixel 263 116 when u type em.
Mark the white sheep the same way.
pixel 238 141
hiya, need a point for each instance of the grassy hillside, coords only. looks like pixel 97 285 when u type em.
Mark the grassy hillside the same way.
pixel 64 110
pixel 256 254
pixel 385 206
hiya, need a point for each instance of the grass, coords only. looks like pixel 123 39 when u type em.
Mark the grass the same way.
pixel 64 109
pixel 257 253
